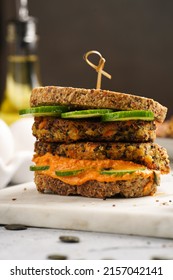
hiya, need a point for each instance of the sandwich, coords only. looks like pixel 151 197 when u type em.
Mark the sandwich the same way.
pixel 96 143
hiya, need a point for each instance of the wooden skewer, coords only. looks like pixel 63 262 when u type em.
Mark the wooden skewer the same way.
pixel 98 68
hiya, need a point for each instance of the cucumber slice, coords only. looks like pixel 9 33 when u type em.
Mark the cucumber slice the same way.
pixel 119 172
pixel 68 172
pixel 128 115
pixel 43 111
pixel 86 113
pixel 39 168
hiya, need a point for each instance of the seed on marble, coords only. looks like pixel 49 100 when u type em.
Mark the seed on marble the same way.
pixel 57 257
pixel 69 239
pixel 160 258
pixel 15 227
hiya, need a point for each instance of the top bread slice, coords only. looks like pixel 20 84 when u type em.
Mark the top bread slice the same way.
pixel 95 98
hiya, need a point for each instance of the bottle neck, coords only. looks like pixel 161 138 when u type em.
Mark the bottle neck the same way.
pixel 24 69
pixel 23 74
pixel 20 48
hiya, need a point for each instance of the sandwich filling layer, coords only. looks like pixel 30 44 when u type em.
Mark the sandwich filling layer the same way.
pixel 151 155
pixel 90 169
pixel 52 129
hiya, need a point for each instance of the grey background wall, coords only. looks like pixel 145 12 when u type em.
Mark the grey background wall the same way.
pixel 135 37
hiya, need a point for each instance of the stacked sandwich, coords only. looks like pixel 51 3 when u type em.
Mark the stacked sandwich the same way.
pixel 96 143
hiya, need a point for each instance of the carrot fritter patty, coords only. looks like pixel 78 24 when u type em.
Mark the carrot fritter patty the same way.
pixel 151 155
pixel 52 129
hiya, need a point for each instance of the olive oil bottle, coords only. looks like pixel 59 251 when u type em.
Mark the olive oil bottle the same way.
pixel 23 71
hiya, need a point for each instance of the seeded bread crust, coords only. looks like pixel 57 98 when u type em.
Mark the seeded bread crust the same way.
pixel 95 98
pixel 137 187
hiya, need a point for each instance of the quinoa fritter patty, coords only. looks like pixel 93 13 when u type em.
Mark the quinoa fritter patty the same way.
pixel 52 129
pixel 136 187
pixel 151 155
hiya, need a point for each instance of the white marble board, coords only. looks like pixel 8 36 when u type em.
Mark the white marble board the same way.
pixel 147 216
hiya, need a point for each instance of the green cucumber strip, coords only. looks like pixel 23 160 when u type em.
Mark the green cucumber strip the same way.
pixel 119 172
pixel 86 113
pixel 68 172
pixel 129 115
pixel 43 111
pixel 39 168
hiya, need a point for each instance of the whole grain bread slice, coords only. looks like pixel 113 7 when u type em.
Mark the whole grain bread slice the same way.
pixel 137 187
pixel 95 98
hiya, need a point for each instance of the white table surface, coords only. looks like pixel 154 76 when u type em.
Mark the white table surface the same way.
pixel 38 243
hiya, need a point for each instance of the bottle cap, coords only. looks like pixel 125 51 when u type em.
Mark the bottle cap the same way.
pixel 23 31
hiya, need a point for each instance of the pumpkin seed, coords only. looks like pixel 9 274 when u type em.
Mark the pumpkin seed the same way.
pixel 15 227
pixel 57 257
pixel 69 239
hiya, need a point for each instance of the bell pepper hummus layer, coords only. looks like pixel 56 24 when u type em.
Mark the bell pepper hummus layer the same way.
pixel 91 169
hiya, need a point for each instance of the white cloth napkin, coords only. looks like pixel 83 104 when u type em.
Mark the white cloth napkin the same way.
pixel 16 151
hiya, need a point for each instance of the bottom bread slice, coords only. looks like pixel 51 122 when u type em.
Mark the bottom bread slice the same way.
pixel 136 187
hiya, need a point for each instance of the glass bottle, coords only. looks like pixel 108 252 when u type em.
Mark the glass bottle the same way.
pixel 23 73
